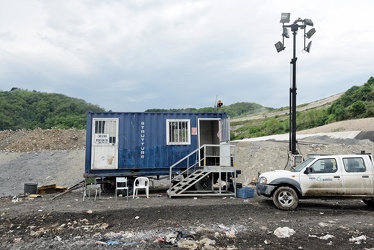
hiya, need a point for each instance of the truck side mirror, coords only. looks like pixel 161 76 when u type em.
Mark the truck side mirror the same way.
pixel 308 170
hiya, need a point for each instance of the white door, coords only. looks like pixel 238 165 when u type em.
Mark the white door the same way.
pixel 357 179
pixel 324 180
pixel 224 131
pixel 224 135
pixel 104 153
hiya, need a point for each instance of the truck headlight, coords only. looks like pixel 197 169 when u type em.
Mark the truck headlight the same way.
pixel 262 180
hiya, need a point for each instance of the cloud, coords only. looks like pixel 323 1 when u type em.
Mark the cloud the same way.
pixel 136 55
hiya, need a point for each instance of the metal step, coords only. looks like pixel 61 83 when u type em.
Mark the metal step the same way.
pixel 187 182
pixel 182 188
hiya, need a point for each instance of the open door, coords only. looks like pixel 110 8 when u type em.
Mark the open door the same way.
pixel 225 150
pixel 214 132
pixel 104 143
pixel 224 131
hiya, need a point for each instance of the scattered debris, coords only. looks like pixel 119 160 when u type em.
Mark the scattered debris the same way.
pixel 76 186
pixel 47 189
pixel 323 224
pixel 357 240
pixel 326 237
pixel 284 232
pixel 34 196
pixel 173 238
pixel 187 244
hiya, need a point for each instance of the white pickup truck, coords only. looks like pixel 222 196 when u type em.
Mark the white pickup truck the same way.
pixel 343 176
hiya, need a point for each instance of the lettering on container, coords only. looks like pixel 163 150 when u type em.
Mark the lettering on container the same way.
pixel 142 140
pixel 101 138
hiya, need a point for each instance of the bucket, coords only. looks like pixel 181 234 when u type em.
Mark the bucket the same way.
pixel 30 188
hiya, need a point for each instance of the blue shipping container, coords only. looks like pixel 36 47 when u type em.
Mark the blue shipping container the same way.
pixel 140 144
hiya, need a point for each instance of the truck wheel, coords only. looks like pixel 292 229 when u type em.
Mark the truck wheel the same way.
pixel 369 202
pixel 204 185
pixel 285 198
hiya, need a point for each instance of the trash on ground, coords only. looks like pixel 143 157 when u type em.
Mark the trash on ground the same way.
pixel 357 240
pixel 51 188
pixel 326 237
pixel 34 196
pixel 284 232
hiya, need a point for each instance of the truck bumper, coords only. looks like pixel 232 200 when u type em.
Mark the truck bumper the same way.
pixel 265 190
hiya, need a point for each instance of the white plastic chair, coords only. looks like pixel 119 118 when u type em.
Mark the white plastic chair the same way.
pixel 141 183
pixel 121 184
pixel 90 183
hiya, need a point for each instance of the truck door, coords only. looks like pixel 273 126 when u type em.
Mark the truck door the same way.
pixel 324 180
pixel 104 143
pixel 357 178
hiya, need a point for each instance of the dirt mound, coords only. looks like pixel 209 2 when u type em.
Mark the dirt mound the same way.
pixel 58 156
pixel 36 140
pixel 364 124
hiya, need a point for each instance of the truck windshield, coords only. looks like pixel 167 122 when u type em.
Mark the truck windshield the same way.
pixel 302 165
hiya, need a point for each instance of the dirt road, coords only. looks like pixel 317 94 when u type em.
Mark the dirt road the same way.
pixel 203 223
pixel 69 222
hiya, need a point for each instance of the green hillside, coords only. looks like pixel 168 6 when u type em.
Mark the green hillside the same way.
pixel 357 102
pixel 238 109
pixel 23 109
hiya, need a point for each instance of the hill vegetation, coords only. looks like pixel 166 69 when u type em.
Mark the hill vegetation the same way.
pixel 23 109
pixel 238 109
pixel 357 102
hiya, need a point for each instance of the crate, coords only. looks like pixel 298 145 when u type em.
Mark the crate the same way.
pixel 245 192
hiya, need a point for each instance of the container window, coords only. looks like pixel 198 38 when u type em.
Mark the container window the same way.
pixel 105 131
pixel 178 132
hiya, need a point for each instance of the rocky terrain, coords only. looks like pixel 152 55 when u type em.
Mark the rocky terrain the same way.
pixel 57 156
pixel 67 222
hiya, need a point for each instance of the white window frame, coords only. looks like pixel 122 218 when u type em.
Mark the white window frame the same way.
pixel 186 139
pixel 106 133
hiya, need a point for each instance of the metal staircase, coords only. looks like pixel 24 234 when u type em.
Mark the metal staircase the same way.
pixel 204 166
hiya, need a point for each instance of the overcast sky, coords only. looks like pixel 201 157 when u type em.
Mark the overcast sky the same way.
pixel 133 55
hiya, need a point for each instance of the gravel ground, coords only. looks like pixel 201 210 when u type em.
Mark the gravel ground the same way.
pixel 68 222
pixel 162 223
pixel 65 165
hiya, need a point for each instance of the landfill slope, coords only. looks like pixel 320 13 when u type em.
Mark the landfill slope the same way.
pixel 68 222
pixel 57 156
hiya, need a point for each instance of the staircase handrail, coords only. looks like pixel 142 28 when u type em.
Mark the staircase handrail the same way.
pixel 194 164
pixel 181 160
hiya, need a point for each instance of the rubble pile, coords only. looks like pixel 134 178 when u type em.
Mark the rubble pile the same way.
pixel 39 139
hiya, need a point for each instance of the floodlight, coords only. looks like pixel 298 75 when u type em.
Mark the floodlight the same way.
pixel 308 22
pixel 310 33
pixel 307 49
pixel 294 27
pixel 285 17
pixel 279 46
pixel 285 33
